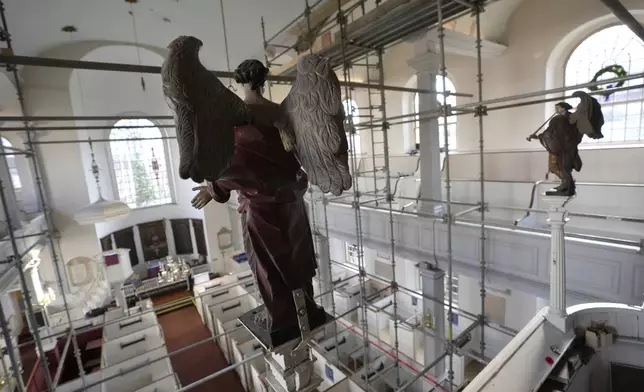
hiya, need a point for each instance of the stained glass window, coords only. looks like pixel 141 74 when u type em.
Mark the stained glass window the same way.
pixel 140 166
pixel 623 110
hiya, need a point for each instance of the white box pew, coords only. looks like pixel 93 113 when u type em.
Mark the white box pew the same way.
pixel 114 314
pixel 76 384
pixel 378 321
pixel 331 375
pixel 166 384
pixel 126 347
pixel 226 311
pixel 350 350
pixel 387 381
pixel 410 340
pixel 375 371
pixel 224 294
pixel 129 325
pixel 258 372
pixel 233 332
pixel 346 385
pixel 132 381
pixel 141 377
pixel 201 292
pixel 242 351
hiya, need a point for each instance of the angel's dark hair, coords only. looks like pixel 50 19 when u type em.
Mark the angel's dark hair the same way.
pixel 251 72
pixel 564 105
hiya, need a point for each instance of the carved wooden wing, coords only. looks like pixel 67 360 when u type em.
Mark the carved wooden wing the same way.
pixel 205 112
pixel 588 117
pixel 313 124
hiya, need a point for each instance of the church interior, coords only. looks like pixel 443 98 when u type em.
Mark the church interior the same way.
pixel 462 258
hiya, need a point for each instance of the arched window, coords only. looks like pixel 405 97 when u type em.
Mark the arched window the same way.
pixel 623 112
pixel 140 166
pixel 11 164
pixel 351 109
pixel 451 120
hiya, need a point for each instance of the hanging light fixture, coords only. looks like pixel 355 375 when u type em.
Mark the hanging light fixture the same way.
pixel 223 23
pixel 155 165
pixel 136 37
pixel 101 210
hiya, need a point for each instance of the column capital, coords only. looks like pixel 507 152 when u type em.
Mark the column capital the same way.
pixel 35 135
pixel 429 271
pixel 427 62
pixel 557 212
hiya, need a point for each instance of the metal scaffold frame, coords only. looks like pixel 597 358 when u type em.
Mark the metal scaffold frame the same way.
pixel 378 124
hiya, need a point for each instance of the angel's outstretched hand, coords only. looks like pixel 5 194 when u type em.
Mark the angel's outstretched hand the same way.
pixel 202 198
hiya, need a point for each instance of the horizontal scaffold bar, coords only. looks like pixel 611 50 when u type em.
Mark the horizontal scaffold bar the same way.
pixel 84 128
pixel 152 69
pixel 80 118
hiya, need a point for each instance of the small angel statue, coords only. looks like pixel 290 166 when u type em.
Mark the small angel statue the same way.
pixel 268 153
pixel 563 135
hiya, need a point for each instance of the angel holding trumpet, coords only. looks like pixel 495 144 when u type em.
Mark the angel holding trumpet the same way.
pixel 562 137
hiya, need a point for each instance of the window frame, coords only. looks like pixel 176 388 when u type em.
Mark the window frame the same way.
pixel 167 150
pixel 7 144
pixel 451 123
pixel 346 103
pixel 588 143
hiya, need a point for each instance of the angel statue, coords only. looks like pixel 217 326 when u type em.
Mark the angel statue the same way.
pixel 268 153
pixel 563 135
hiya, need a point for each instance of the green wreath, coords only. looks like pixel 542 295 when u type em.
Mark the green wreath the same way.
pixel 616 70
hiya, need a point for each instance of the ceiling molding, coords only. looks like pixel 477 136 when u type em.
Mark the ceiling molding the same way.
pixel 425 62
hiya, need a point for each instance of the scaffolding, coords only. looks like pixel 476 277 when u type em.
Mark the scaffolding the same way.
pixel 356 48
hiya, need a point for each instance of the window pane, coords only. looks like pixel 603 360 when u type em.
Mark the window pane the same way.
pixel 351 109
pixel 11 165
pixel 615 45
pixel 451 100
pixel 135 161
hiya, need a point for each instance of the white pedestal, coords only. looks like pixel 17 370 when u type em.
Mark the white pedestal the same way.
pixel 557 218
pixel 290 370
pixel 433 285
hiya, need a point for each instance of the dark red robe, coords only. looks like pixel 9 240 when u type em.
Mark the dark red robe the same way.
pixel 277 235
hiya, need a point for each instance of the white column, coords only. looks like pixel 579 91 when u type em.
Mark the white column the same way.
pixel 426 65
pixel 138 244
pixel 324 268
pixel 433 285
pixel 556 220
pixel 193 241
pixel 169 237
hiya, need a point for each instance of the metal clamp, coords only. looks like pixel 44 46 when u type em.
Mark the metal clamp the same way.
pixel 302 318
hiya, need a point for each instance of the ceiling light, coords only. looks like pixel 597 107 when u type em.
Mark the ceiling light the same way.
pixel 101 210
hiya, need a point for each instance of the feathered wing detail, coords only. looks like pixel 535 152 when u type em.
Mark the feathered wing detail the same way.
pixel 588 117
pixel 313 123
pixel 205 112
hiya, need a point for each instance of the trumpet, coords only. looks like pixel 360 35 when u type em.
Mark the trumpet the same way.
pixel 534 134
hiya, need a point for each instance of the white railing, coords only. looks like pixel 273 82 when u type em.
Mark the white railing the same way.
pixel 200 269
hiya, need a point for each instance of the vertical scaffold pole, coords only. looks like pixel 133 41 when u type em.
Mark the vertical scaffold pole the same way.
pixel 6 333
pixel 310 37
pixel 49 222
pixel 480 113
pixel 268 63
pixel 390 196
pixel 445 110
pixel 371 117
pixel 356 195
